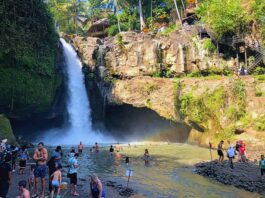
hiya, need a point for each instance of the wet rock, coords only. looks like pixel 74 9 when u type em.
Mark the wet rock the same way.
pixel 244 175
pixel 126 192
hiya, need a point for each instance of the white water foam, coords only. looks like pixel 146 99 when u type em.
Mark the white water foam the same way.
pixel 79 113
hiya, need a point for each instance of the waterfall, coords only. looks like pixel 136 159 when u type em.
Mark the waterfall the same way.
pixel 78 127
pixel 78 104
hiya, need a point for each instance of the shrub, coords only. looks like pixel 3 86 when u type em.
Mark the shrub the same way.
pixel 260 77
pixel 260 123
pixel 194 74
pixel 259 71
pixel 208 45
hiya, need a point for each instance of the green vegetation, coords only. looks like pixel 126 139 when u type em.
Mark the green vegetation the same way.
pixel 208 45
pixel 223 16
pixel 258 14
pixel 28 47
pixel 259 71
pixel 260 77
pixel 206 110
pixel 169 29
pixel 260 123
pixel 149 88
pixel 6 130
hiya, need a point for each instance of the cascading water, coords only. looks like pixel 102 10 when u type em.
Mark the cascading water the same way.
pixel 79 126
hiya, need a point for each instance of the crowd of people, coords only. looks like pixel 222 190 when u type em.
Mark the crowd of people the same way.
pixel 240 151
pixel 44 166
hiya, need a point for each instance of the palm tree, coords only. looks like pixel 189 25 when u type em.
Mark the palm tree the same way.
pixel 142 23
pixel 176 5
pixel 116 4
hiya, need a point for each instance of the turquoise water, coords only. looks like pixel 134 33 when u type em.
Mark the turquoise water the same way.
pixel 170 173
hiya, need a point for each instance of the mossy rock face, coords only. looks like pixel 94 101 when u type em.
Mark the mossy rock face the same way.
pixel 28 51
pixel 6 130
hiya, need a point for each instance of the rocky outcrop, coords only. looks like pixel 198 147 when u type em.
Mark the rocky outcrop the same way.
pixel 6 130
pixel 215 107
pixel 244 175
pixel 139 54
pixel 157 94
pixel 87 48
pixel 210 106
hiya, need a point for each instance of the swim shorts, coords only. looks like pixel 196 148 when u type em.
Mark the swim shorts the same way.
pixel 73 178
pixel 55 183
pixel 40 171
pixel 220 153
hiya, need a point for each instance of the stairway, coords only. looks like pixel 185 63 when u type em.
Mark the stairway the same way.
pixel 234 41
pixel 258 60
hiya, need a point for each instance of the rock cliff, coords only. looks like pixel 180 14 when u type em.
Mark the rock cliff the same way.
pixel 215 107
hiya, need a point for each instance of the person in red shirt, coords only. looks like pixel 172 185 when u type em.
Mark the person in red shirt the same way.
pixel 242 151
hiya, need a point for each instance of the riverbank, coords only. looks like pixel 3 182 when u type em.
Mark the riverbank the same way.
pixel 113 190
pixel 170 173
pixel 245 175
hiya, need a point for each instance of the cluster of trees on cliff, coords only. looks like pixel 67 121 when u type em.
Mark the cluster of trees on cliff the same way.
pixel 222 16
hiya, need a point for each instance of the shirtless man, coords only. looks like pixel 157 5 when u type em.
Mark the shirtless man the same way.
pixel 80 148
pixel 40 156
pixel 23 190
pixel 220 151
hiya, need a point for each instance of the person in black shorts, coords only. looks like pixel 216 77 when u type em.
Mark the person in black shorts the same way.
pixel 220 150
pixel 72 173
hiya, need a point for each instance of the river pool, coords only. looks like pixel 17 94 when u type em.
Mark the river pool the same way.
pixel 170 173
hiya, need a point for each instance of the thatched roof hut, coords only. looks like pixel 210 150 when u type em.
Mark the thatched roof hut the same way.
pixel 99 28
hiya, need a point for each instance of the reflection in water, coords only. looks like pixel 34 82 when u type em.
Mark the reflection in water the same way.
pixel 169 175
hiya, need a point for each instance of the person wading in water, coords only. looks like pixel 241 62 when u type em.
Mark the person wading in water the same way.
pixel 40 156
pixel 80 148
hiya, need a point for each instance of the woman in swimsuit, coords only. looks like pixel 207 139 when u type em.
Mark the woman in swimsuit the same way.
pixel 96 187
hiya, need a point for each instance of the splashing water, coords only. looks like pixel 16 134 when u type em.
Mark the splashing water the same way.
pixel 79 116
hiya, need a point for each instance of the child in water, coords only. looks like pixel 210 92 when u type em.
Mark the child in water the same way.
pixel 56 181
pixel 146 157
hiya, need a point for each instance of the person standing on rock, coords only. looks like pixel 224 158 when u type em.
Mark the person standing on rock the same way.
pixel 72 174
pixel 24 155
pixel 41 157
pixel 231 156
pixel 262 165
pixel 220 151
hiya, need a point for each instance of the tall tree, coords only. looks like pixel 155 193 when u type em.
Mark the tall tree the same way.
pixel 177 10
pixel 142 23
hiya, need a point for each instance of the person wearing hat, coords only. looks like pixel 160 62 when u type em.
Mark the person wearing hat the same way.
pixel 5 176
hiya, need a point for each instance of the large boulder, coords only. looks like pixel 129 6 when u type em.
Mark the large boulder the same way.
pixel 87 48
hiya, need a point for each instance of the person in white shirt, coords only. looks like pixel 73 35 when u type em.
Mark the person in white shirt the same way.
pixel 231 155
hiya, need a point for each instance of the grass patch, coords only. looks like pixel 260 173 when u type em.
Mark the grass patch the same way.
pixel 259 123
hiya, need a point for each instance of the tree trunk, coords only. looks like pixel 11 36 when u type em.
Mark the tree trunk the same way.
pixel 141 16
pixel 118 20
pixel 176 5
